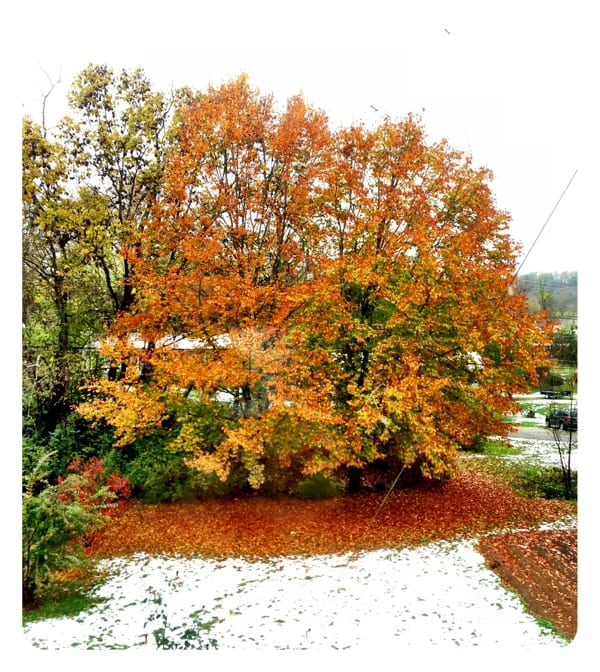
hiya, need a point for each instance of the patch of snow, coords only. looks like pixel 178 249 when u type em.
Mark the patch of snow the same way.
pixel 436 594
pixel 545 452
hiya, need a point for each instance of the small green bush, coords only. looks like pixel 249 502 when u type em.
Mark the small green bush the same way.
pixel 158 470
pixel 546 482
pixel 552 379
pixel 77 438
pixel 317 486
pixel 477 445
pixel 159 474
pixel 55 522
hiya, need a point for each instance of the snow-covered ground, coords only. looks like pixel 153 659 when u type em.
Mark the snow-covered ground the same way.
pixel 545 452
pixel 436 594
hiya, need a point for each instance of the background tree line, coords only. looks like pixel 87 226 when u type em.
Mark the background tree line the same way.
pixel 556 293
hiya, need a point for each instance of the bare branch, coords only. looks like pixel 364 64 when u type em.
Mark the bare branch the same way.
pixel 45 96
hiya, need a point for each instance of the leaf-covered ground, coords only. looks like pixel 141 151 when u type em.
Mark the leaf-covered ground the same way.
pixel 541 566
pixel 468 505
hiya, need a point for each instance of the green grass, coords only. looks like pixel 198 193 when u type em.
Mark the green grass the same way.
pixel 494 448
pixel 67 595
pixel 538 407
pixel 499 448
pixel 547 626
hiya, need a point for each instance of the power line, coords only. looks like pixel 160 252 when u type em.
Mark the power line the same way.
pixel 544 225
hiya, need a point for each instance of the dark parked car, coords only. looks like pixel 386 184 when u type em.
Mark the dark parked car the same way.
pixel 562 418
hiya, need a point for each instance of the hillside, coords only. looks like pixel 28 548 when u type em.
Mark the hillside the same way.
pixel 555 292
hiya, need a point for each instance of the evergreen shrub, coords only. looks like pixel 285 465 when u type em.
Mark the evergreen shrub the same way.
pixel 317 486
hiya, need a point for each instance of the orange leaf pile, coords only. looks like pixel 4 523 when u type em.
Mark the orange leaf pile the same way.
pixel 256 526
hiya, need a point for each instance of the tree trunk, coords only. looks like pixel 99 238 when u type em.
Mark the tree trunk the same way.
pixel 354 479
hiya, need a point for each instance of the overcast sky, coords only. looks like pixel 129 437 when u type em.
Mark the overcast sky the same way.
pixel 512 82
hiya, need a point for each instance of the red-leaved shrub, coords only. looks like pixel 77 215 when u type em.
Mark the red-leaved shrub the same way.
pixel 92 487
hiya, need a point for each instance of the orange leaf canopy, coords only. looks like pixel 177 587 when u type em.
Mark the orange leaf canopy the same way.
pixel 347 295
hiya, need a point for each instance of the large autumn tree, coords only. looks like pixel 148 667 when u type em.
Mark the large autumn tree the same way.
pixel 347 292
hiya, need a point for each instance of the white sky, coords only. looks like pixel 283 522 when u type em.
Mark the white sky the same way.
pixel 512 82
